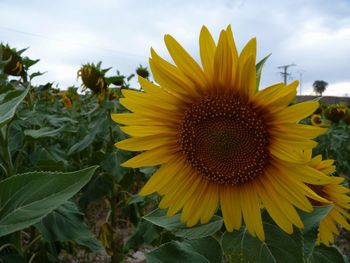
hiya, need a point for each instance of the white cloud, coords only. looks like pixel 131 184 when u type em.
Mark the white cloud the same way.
pixel 64 34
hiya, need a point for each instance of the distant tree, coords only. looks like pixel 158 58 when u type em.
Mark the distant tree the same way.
pixel 320 86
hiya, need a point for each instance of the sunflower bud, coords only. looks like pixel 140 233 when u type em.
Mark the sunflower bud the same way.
pixel 14 66
pixel 316 120
pixel 336 113
pixel 142 72
pixel 93 78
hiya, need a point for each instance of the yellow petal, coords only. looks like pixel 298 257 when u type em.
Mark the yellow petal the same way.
pixel 293 145
pixel 144 98
pixel 150 158
pixel 231 207
pixel 149 110
pixel 296 112
pixel 211 203
pixel 145 143
pixel 142 131
pixel 279 95
pixel 270 202
pixel 171 78
pixel 233 49
pixel 223 63
pixel 251 211
pixel 190 213
pixel 181 197
pixel 162 177
pixel 207 52
pixel 248 53
pixel 287 188
pixel 296 131
pixel 185 62
pixel 134 119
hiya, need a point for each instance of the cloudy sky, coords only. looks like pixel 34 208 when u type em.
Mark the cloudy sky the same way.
pixel 313 34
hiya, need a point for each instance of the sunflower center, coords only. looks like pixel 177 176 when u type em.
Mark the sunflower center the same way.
pixel 225 139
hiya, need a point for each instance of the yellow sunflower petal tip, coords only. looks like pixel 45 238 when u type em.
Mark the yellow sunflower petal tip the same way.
pixel 218 140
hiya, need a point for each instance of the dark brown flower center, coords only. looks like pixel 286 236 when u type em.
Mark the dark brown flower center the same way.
pixel 317 120
pixel 225 139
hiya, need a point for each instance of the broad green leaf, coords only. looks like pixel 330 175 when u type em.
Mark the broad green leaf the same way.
pixel 66 223
pixel 312 220
pixel 205 250
pixel 145 233
pixel 111 164
pixel 208 247
pixel 99 186
pixel 323 254
pixel 278 246
pixel 12 258
pixel 173 224
pixel 44 132
pixel 26 198
pixel 311 223
pixel 8 108
pixel 84 143
pixel 259 68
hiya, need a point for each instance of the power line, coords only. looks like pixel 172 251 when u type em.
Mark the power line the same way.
pixel 119 53
pixel 285 73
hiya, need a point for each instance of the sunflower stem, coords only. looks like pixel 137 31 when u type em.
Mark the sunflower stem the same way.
pixel 6 150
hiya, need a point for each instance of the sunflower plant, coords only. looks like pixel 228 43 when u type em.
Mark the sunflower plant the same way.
pixel 231 172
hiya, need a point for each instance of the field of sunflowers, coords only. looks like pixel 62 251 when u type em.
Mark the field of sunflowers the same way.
pixel 197 164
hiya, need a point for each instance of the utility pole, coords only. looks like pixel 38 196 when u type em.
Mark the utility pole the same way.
pixel 301 72
pixel 285 73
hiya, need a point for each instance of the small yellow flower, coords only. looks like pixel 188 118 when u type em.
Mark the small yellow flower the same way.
pixel 67 102
pixel 316 120
pixel 335 193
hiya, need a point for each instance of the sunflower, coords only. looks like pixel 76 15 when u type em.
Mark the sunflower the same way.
pixel 14 66
pixel 219 141
pixel 67 102
pixel 335 113
pixel 338 195
pixel 316 120
pixel 93 78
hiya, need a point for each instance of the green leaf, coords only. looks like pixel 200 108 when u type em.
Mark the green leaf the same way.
pixel 145 233
pixel 312 220
pixel 66 223
pixel 259 68
pixel 111 164
pixel 311 223
pixel 323 254
pixel 98 187
pixel 26 198
pixel 8 108
pixel 173 224
pixel 205 250
pixel 44 132
pixel 278 246
pixel 36 74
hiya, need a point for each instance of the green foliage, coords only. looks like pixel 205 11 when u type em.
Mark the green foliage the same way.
pixel 66 223
pixel 205 250
pixel 259 68
pixel 9 104
pixel 27 198
pixel 63 192
pixel 173 224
